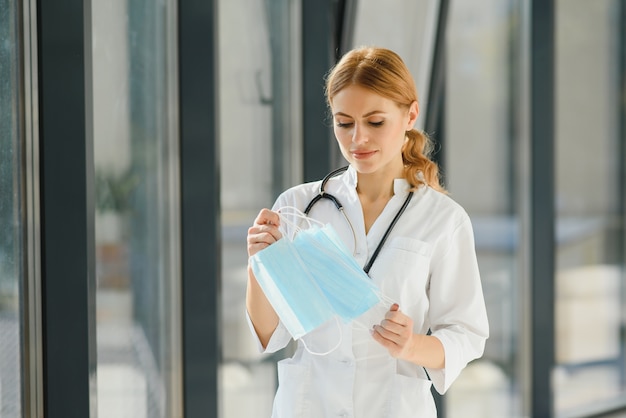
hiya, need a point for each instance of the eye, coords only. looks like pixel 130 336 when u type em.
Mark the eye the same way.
pixel 377 124
pixel 344 124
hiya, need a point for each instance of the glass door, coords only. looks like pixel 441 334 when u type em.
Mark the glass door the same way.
pixel 137 214
pixel 482 170
pixel 259 142
pixel 590 254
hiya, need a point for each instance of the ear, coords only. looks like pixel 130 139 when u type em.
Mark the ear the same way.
pixel 414 111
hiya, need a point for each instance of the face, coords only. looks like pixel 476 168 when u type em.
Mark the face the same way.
pixel 371 130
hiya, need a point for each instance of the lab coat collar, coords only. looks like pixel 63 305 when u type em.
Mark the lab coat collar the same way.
pixel 400 186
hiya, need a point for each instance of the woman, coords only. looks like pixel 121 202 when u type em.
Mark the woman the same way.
pixel 427 265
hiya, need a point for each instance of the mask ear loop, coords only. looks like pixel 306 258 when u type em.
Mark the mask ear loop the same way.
pixel 296 213
pixel 315 353
pixel 361 324
pixel 303 216
pixel 385 301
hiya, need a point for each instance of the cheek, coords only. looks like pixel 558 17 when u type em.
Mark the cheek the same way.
pixel 398 136
pixel 342 136
pixel 344 144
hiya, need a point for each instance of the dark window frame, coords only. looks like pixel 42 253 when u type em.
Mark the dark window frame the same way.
pixel 200 206
pixel 67 210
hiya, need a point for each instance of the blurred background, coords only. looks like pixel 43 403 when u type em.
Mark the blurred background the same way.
pixel 192 116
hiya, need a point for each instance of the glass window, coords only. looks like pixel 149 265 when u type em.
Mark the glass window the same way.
pixel 481 157
pixel 589 282
pixel 259 130
pixel 12 274
pixel 137 214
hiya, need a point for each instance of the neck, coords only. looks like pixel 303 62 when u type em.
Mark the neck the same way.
pixel 375 186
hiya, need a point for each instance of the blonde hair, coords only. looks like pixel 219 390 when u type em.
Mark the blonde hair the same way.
pixel 383 72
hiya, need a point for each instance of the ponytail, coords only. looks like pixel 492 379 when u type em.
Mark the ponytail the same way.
pixel 419 168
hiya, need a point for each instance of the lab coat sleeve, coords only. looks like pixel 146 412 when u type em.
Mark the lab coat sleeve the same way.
pixel 457 316
pixel 279 339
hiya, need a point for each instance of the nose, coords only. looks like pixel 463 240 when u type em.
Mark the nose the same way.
pixel 359 135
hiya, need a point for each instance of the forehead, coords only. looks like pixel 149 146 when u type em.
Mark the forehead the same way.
pixel 355 100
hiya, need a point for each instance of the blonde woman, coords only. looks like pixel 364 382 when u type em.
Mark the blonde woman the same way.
pixel 426 265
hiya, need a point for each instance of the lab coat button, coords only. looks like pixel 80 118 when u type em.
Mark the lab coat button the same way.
pixel 347 362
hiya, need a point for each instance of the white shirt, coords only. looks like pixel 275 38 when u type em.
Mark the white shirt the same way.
pixel 428 266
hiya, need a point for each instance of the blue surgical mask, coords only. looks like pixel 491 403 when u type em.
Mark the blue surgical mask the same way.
pixel 312 278
pixel 290 288
pixel 345 285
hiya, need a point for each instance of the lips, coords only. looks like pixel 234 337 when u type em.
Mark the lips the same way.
pixel 362 154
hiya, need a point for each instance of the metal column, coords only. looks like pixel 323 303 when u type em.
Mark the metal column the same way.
pixel 200 210
pixel 67 211
pixel 542 215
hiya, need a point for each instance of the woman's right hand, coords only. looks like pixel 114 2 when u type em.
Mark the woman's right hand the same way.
pixel 264 232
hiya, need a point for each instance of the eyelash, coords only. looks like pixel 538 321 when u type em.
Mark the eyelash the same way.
pixel 374 124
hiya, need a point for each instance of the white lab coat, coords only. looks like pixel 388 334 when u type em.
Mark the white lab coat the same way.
pixel 428 266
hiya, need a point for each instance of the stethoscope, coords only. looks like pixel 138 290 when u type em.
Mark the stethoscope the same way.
pixel 322 194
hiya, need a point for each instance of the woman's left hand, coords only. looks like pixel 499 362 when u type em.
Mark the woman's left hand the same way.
pixel 395 333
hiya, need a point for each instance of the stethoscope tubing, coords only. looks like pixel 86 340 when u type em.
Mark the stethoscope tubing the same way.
pixel 323 195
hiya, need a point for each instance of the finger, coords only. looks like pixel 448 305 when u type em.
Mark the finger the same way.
pixel 257 231
pixel 382 340
pixel 255 248
pixel 262 237
pixel 386 334
pixel 394 309
pixel 393 327
pixel 267 217
pixel 260 240
pixel 393 347
pixel 257 242
pixel 398 317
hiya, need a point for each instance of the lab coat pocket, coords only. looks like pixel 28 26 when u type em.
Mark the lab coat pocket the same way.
pixel 403 268
pixel 411 397
pixel 292 397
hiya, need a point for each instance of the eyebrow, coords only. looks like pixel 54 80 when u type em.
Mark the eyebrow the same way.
pixel 373 112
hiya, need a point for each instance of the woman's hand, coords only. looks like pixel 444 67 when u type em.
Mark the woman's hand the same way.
pixel 395 333
pixel 264 232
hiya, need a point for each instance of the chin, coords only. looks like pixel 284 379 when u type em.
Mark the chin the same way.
pixel 364 167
